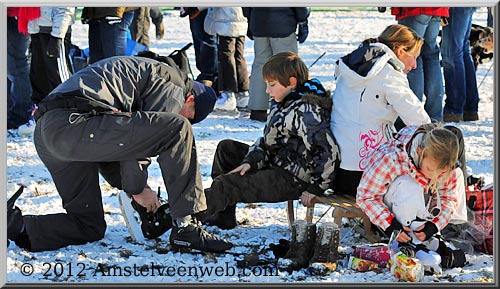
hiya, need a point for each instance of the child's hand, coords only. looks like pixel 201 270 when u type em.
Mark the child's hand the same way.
pixel 307 199
pixel 242 169
pixel 403 237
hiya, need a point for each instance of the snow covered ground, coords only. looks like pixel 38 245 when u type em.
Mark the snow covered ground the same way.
pixel 334 32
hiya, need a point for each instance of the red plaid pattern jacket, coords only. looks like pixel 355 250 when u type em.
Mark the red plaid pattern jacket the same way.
pixel 402 12
pixel 388 162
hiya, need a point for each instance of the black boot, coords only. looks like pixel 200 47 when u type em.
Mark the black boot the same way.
pixel 225 220
pixel 193 236
pixel 154 224
pixel 15 223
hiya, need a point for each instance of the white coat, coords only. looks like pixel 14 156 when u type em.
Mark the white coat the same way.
pixel 365 108
pixel 226 21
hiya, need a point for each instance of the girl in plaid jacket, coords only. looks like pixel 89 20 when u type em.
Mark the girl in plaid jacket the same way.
pixel 419 165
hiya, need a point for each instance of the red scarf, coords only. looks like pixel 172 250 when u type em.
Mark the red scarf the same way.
pixel 26 14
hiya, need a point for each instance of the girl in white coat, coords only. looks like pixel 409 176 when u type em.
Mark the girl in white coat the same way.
pixel 371 92
pixel 230 26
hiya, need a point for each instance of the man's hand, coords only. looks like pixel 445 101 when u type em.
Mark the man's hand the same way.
pixel 403 236
pixel 241 169
pixel 426 231
pixel 148 199
pixel 54 47
pixel 307 199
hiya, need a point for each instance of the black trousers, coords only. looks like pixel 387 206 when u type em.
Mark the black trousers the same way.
pixel 75 153
pixel 233 73
pixel 267 185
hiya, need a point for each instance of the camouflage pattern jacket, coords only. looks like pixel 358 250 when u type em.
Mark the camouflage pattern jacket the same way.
pixel 297 138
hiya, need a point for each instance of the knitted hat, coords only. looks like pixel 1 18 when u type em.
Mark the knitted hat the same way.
pixel 204 101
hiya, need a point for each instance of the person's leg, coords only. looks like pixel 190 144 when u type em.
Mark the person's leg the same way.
pixel 259 99
pixel 228 155
pixel 346 182
pixel 269 185
pixel 227 80
pixel 114 36
pixel 419 23
pixel 453 38
pixel 157 19
pixel 47 72
pixel 241 65
pixel 95 43
pixel 433 75
pixel 206 57
pixel 18 69
pixel 78 185
pixel 139 27
pixel 472 94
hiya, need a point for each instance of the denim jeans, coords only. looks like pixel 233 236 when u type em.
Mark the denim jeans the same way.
pixel 427 78
pixel 205 48
pixel 106 40
pixel 459 73
pixel 18 76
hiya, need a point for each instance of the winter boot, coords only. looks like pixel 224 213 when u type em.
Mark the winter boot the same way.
pixel 301 247
pixel 225 220
pixel 154 224
pixel 324 260
pixel 193 236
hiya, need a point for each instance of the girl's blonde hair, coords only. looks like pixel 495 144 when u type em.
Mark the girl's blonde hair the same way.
pixel 282 66
pixel 396 36
pixel 441 145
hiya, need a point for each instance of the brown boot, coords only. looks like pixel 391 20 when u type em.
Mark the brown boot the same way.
pixel 301 247
pixel 324 260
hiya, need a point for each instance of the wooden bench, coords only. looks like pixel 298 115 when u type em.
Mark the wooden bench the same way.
pixel 344 206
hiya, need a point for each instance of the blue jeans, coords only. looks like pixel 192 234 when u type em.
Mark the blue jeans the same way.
pixel 459 73
pixel 18 76
pixel 205 48
pixel 107 40
pixel 427 78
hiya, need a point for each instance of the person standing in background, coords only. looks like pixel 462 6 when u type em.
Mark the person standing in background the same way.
pixel 108 28
pixel 230 27
pixel 273 30
pixel 427 78
pixel 139 28
pixel 18 65
pixel 205 46
pixel 462 96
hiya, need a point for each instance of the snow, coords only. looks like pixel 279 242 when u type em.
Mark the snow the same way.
pixel 337 32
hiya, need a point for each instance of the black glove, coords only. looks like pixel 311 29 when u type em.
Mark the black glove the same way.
pixel 54 47
pixel 303 32
pixel 395 225
pixel 249 33
pixel 430 229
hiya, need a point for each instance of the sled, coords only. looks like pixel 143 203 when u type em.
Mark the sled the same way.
pixel 344 207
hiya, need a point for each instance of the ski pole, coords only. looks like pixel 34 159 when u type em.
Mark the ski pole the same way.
pixel 317 59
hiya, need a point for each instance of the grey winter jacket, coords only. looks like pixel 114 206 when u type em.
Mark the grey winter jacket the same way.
pixel 53 20
pixel 126 84
pixel 274 22
pixel 297 138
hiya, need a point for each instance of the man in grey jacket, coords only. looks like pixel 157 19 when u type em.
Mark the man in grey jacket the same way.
pixel 109 118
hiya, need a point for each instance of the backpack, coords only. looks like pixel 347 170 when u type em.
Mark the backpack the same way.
pixel 79 58
pixel 480 201
pixel 178 58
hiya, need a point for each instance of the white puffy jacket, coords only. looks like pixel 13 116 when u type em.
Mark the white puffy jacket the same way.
pixel 366 106
pixel 226 21
pixel 57 20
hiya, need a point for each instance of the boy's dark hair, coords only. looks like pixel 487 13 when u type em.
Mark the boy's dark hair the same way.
pixel 284 65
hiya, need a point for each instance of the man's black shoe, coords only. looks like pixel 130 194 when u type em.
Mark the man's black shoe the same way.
pixel 15 223
pixel 154 224
pixel 195 237
pixel 225 220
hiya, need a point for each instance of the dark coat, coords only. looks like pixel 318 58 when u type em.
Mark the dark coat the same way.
pixel 275 22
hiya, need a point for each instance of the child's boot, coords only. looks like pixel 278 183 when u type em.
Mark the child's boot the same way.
pixel 301 247
pixel 324 260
